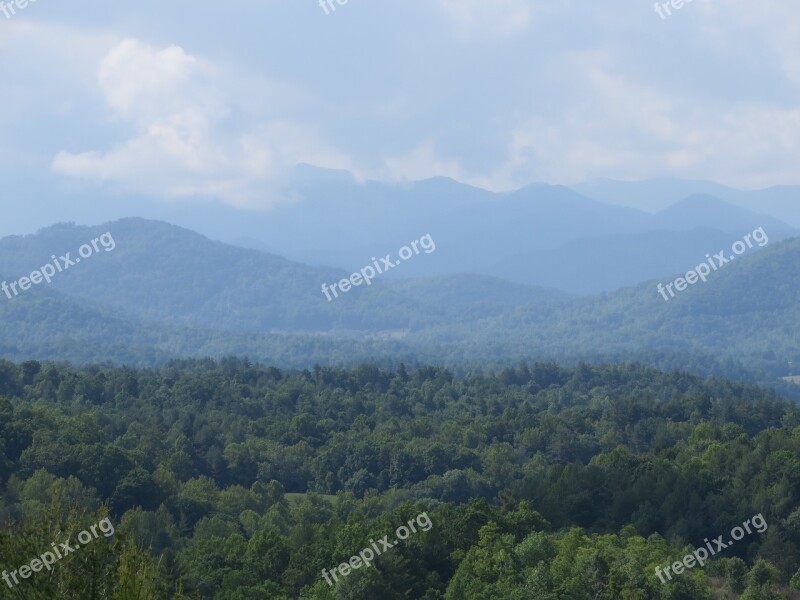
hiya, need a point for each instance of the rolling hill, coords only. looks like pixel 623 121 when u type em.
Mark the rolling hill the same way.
pixel 150 300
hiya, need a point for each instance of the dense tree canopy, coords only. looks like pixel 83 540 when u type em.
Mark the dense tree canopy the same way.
pixel 230 480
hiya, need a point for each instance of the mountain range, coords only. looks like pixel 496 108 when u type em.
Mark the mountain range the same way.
pixel 167 292
pixel 657 194
pixel 539 235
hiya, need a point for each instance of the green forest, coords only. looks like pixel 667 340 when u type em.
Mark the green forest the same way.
pixel 146 303
pixel 228 480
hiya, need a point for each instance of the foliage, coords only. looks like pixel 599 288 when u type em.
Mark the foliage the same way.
pixel 229 480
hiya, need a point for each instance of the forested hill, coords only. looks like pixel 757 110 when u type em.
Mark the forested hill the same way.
pixel 746 312
pixel 166 292
pixel 160 273
pixel 540 481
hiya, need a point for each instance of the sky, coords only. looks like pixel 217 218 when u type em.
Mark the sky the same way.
pixel 198 102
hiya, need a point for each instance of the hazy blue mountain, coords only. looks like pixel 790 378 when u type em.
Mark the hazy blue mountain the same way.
pixel 609 262
pixel 520 236
pixel 354 221
pixel 605 264
pixel 159 272
pixel 779 202
pixel 534 218
pixel 651 195
pixel 337 221
pixel 254 244
pixel 745 314
pixel 167 292
pixel 709 211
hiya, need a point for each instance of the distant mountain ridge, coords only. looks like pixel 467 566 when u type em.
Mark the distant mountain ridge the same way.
pixel 710 212
pixel 780 202
pixel 332 219
pixel 520 235
pixel 160 272
pixel 166 292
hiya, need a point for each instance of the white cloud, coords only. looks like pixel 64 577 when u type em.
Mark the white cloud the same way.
pixel 488 18
pixel 615 127
pixel 554 92
pixel 775 23
pixel 195 134
pixel 143 84
pixel 422 162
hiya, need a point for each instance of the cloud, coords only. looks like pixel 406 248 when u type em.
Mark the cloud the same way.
pixel 196 132
pixel 554 92
pixel 422 162
pixel 484 19
pixel 775 23
pixel 633 130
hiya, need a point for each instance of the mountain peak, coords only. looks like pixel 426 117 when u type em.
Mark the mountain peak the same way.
pixel 706 210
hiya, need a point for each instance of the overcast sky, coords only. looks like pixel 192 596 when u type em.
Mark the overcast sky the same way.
pixel 185 99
